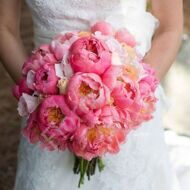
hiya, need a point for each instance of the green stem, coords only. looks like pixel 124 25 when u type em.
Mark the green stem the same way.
pixel 101 165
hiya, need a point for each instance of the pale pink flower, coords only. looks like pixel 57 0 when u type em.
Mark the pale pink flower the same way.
pixel 27 104
pixel 124 36
pixel 86 92
pixel 61 43
pixel 103 27
pixel 30 79
pixel 46 80
pixel 88 54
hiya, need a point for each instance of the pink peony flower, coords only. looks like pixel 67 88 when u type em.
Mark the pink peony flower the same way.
pixel 123 36
pixel 93 142
pixel 124 90
pixel 46 80
pixel 32 131
pixel 103 27
pixel 149 77
pixel 147 87
pixel 108 115
pixel 86 92
pixel 57 122
pixel 21 88
pixel 88 54
pixel 27 104
pixel 39 57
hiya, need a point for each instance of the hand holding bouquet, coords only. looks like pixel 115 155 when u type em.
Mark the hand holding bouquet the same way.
pixel 85 91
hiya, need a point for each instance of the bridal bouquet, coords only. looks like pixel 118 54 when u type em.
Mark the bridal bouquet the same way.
pixel 85 91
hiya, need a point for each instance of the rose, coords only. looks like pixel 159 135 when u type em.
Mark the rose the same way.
pixel 103 27
pixel 39 57
pixel 57 122
pixel 85 92
pixel 45 80
pixel 88 54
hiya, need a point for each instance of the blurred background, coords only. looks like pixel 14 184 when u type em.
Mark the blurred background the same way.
pixel 176 121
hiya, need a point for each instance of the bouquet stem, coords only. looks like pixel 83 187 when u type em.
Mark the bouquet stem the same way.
pixel 88 168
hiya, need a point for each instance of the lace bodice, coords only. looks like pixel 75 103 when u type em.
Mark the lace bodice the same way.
pixel 53 16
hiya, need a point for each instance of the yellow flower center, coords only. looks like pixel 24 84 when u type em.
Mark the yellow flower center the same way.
pixel 55 115
pixel 84 34
pixel 92 134
pixel 85 89
pixel 131 72
pixel 95 132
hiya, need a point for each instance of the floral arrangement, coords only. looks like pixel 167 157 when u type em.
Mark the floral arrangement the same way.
pixel 85 91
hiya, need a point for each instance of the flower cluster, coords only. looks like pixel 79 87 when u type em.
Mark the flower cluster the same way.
pixel 85 91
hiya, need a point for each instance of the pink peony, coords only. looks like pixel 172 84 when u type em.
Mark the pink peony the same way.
pixel 124 90
pixel 126 96
pixel 46 80
pixel 88 54
pixel 21 88
pixel 123 36
pixel 149 77
pixel 86 92
pixel 57 122
pixel 93 142
pixel 32 131
pixel 147 87
pixel 103 27
pixel 39 57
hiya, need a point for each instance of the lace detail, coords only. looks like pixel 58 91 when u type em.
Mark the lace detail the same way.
pixel 142 163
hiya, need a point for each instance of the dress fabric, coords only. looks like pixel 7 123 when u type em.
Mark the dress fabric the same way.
pixel 143 162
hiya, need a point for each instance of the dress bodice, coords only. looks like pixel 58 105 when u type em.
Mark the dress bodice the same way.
pixel 54 16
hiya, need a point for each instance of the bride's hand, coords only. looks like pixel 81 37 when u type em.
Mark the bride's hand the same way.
pixel 12 53
pixel 167 38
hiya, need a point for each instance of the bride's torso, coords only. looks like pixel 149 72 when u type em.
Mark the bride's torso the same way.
pixel 76 14
pixel 54 16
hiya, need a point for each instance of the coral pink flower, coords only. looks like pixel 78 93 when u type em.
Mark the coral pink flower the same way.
pixel 147 87
pixel 92 142
pixel 103 27
pixel 32 130
pixel 149 77
pixel 46 80
pixel 20 88
pixel 39 57
pixel 57 122
pixel 123 36
pixel 86 92
pixel 126 95
pixel 124 90
pixel 88 54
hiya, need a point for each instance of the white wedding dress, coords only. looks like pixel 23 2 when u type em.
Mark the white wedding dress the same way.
pixel 143 162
